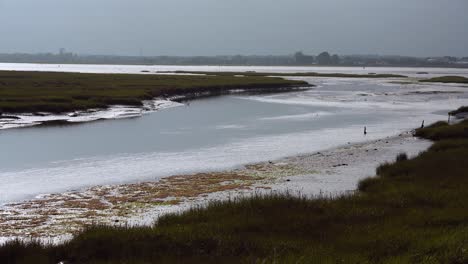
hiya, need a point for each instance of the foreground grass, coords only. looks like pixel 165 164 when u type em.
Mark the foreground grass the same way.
pixel 62 92
pixel 415 211
pixel 297 74
pixel 447 79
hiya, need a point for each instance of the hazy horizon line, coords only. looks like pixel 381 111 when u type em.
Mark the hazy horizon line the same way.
pixel 228 55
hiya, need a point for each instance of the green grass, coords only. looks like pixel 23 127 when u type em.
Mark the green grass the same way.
pixel 447 79
pixel 62 92
pixel 414 211
pixel 298 74
pixel 441 130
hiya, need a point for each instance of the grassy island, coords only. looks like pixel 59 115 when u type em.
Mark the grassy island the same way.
pixel 414 211
pixel 447 79
pixel 295 74
pixel 63 92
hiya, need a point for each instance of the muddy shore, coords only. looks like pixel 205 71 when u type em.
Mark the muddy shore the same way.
pixel 56 217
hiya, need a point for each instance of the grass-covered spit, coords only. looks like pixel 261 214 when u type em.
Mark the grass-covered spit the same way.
pixel 295 74
pixel 62 92
pixel 447 79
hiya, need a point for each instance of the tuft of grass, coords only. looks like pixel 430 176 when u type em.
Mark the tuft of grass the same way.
pixel 447 79
pixel 63 92
pixel 414 211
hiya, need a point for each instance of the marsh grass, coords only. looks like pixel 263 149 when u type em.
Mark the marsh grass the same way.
pixel 295 74
pixel 413 211
pixel 441 130
pixel 447 79
pixel 62 92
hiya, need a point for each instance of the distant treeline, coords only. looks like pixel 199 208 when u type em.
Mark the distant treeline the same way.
pixel 297 59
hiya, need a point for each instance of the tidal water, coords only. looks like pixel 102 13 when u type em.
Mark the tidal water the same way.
pixel 215 133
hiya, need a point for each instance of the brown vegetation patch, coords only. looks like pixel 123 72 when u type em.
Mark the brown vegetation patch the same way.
pixel 58 214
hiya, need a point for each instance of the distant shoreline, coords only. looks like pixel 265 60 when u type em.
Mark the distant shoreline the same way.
pixel 243 65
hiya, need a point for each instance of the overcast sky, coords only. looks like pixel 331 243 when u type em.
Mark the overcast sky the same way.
pixel 213 27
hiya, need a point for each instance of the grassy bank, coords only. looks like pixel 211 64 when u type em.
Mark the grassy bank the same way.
pixel 62 92
pixel 447 79
pixel 414 211
pixel 463 109
pixel 297 74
